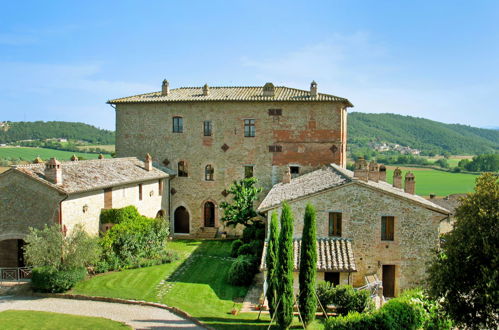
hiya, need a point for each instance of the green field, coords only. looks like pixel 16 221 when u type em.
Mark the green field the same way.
pixel 28 154
pixel 197 284
pixel 107 147
pixel 12 319
pixel 429 181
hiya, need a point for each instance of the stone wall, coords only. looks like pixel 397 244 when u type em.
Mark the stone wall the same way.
pixel 85 208
pixel 416 230
pixel 307 132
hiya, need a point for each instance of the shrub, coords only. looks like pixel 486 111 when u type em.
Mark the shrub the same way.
pixel 242 270
pixel 245 249
pixel 356 321
pixel 49 279
pixel 254 248
pixel 324 292
pixel 234 247
pixel 435 316
pixel 119 215
pixel 346 299
pixel 402 313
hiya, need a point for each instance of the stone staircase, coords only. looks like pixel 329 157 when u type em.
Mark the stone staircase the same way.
pixel 207 232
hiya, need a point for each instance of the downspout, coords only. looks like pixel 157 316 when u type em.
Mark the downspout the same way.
pixel 60 211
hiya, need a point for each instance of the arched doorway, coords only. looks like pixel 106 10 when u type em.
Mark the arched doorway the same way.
pixel 12 253
pixel 181 221
pixel 209 214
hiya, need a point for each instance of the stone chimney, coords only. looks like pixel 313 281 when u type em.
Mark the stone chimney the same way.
pixel 397 178
pixel 165 88
pixel 206 90
pixel 361 172
pixel 410 184
pixel 313 89
pixel 269 89
pixel 382 173
pixel 148 162
pixel 373 174
pixel 37 160
pixel 74 158
pixel 53 171
pixel 286 178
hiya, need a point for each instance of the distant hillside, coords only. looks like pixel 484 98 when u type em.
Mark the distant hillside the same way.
pixel 419 133
pixel 39 130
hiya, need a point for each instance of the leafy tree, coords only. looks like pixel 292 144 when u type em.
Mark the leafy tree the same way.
pixel 442 162
pixel 482 163
pixel 240 210
pixel 50 247
pixel 284 271
pixel 308 267
pixel 465 272
pixel 271 262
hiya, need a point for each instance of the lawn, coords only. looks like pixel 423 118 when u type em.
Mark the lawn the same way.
pixel 45 320
pixel 28 154
pixel 196 283
pixel 430 181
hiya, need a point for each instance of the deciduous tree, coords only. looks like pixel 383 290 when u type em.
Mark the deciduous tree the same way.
pixel 240 210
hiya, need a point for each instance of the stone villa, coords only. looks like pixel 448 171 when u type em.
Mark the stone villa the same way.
pixel 211 136
pixel 73 192
pixel 365 226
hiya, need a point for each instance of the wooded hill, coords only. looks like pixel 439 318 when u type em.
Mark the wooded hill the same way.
pixel 39 130
pixel 419 133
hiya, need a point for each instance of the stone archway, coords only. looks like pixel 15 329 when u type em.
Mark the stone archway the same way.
pixel 161 214
pixel 181 221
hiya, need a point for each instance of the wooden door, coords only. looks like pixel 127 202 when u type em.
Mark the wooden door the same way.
pixel 389 280
pixel 181 221
pixel 209 214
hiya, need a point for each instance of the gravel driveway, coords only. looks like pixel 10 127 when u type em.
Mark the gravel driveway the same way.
pixel 138 317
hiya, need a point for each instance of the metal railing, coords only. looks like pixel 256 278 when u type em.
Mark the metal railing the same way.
pixel 15 274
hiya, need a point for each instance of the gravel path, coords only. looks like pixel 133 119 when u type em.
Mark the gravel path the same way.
pixel 138 317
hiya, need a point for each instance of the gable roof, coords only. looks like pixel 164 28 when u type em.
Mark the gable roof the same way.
pixel 334 254
pixel 330 177
pixel 87 175
pixel 232 93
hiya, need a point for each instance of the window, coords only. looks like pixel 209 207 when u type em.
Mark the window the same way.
pixel 160 187
pixel 275 148
pixel 182 169
pixel 249 128
pixel 335 224
pixel 294 170
pixel 140 192
pixel 275 112
pixel 208 173
pixel 387 228
pixel 207 128
pixel 178 125
pixel 248 171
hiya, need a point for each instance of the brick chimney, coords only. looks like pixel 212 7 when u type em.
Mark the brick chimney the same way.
pixel 313 89
pixel 269 89
pixel 286 178
pixel 53 171
pixel 148 162
pixel 373 174
pixel 206 90
pixel 165 88
pixel 382 173
pixel 397 178
pixel 410 183
pixel 361 172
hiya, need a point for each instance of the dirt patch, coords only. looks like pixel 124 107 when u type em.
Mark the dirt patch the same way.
pixel 403 168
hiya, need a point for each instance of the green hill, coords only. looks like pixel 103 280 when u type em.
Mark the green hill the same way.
pixel 39 130
pixel 419 133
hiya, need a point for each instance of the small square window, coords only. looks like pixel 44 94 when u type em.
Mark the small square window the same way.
pixel 248 171
pixel 207 128
pixel 275 148
pixel 178 124
pixel 249 127
pixel 294 169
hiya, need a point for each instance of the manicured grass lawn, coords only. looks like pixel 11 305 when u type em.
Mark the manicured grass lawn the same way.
pixel 45 320
pixel 196 284
pixel 29 154
pixel 429 181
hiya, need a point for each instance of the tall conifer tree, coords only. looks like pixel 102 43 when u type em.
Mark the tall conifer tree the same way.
pixel 271 261
pixel 308 267
pixel 284 272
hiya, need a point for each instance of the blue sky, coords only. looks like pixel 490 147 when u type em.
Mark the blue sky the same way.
pixel 62 60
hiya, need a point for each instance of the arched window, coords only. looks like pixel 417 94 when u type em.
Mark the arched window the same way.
pixel 208 173
pixel 182 169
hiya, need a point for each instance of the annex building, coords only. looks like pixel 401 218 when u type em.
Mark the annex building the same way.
pixel 211 136
pixel 73 192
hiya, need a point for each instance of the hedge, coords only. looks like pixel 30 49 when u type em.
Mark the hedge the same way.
pixel 119 215
pixel 242 270
pixel 49 279
pixel 234 247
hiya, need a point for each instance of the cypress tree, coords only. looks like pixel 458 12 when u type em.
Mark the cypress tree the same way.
pixel 271 261
pixel 308 267
pixel 284 272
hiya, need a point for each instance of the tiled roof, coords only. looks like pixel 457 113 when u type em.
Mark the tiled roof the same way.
pixel 195 94
pixel 86 175
pixel 450 202
pixel 329 177
pixel 334 254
